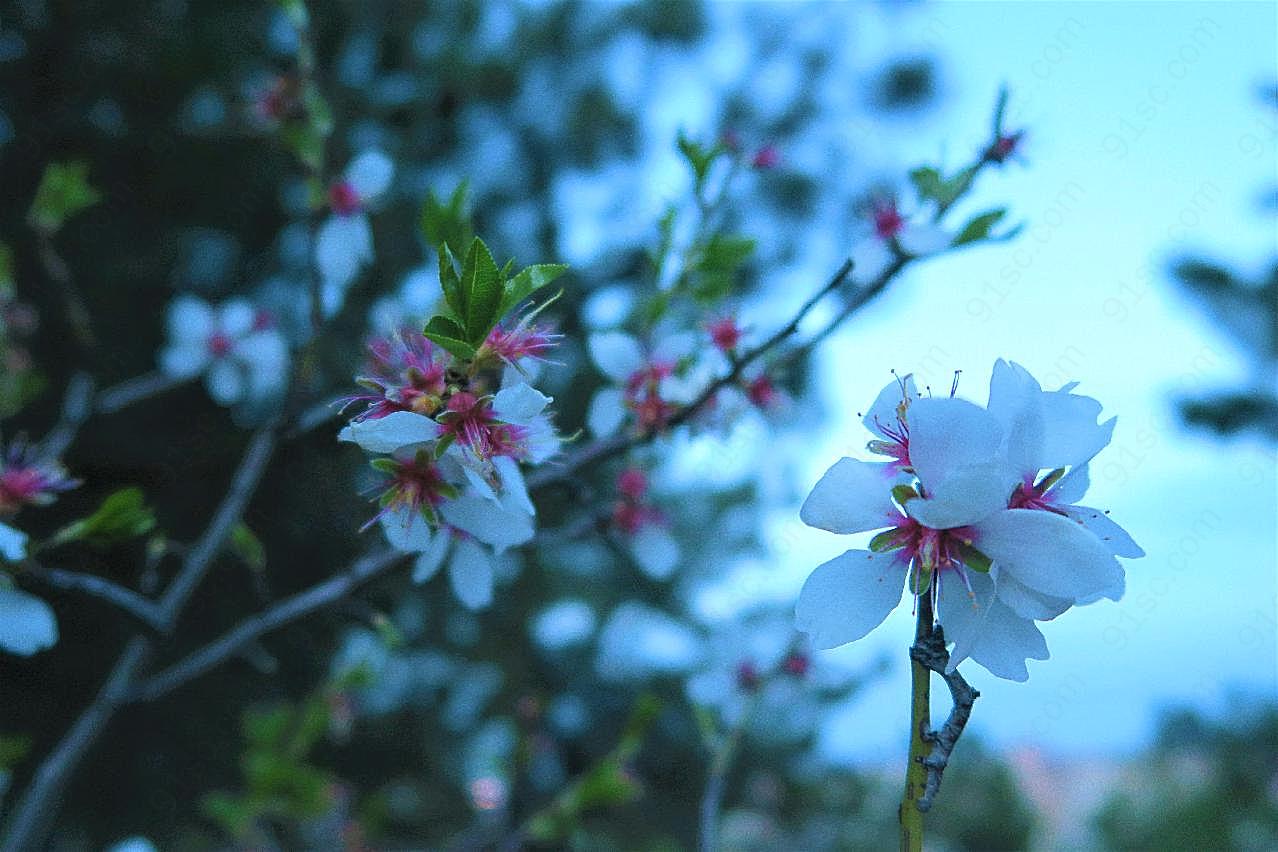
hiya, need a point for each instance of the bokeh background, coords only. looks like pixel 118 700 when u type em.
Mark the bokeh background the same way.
pixel 1145 271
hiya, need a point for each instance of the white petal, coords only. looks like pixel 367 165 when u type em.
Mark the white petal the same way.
pixel 513 487
pixel 235 318
pixel 962 613
pixel 502 526
pixel 183 360
pixel 947 435
pixel 265 354
pixel 390 433
pixel 1071 435
pixel 432 557
pixel 407 530
pixel 13 543
pixel 1026 602
pixel 852 496
pixel 1049 553
pixel 519 404
pixel 1006 641
pixel 674 346
pixel 607 412
pixel 970 494
pixel 471 574
pixel 849 596
pixel 341 247
pixel 1099 524
pixel 27 624
pixel 870 258
pixel 541 440
pixel 1072 486
pixel 225 382
pixel 617 355
pixel 655 551
pixel 190 320
pixel 921 239
pixel 370 173
pixel 884 411
pixel 1011 389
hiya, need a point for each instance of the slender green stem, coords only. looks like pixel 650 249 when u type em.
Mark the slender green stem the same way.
pixel 910 816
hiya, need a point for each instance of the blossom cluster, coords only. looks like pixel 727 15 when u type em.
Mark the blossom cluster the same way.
pixel 27 624
pixel 450 416
pixel 975 507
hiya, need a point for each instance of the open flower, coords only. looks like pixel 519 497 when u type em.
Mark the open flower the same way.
pixel 239 351
pixel 952 525
pixel 344 243
pixel 28 480
pixel 649 386
pixel 893 233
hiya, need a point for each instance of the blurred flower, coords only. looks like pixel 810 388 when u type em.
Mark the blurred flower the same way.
pixel 767 157
pixel 648 386
pixel 893 232
pixel 725 334
pixel 643 527
pixel 27 624
pixel 344 242
pixel 638 642
pixel 27 480
pixel 241 354
pixel 960 534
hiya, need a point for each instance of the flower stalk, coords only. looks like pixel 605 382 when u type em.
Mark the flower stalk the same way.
pixel 909 813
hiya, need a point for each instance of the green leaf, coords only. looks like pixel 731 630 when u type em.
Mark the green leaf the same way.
pixel 978 227
pixel 64 191
pixel 699 157
pixel 931 185
pixel 446 332
pixel 12 750
pixel 481 293
pixel 529 280
pixel 248 547
pixel 122 516
pixel 447 222
pixel 715 271
pixel 449 282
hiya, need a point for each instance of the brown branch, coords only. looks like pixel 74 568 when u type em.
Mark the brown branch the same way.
pixel 137 605
pixel 929 651
pixel 281 614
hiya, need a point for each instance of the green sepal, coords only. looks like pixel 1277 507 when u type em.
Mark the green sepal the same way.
pixel 443 443
pixel 384 465
pixel 1050 479
pixel 886 541
pixel 972 558
pixel 903 494
pixel 919 581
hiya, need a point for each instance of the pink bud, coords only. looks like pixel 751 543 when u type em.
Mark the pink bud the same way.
pixel 632 483
pixel 888 221
pixel 343 198
pixel 796 664
pixel 725 334
pixel 762 392
pixel 767 157
pixel 747 676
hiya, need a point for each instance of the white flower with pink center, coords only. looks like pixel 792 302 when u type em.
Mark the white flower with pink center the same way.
pixel 649 384
pixel 344 242
pixel 959 521
pixel 643 527
pixel 893 233
pixel 239 351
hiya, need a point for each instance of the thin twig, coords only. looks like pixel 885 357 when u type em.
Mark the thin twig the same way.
pixel 136 605
pixel 930 652
pixel 77 405
pixel 281 614
pixel 612 446
pixel 136 389
pixel 39 804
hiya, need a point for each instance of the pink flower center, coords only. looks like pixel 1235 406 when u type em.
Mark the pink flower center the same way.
pixel 219 344
pixel 725 334
pixel 887 221
pixel 632 483
pixel 796 664
pixel 748 678
pixel 475 426
pixel 643 395
pixel 762 392
pixel 767 157
pixel 343 199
